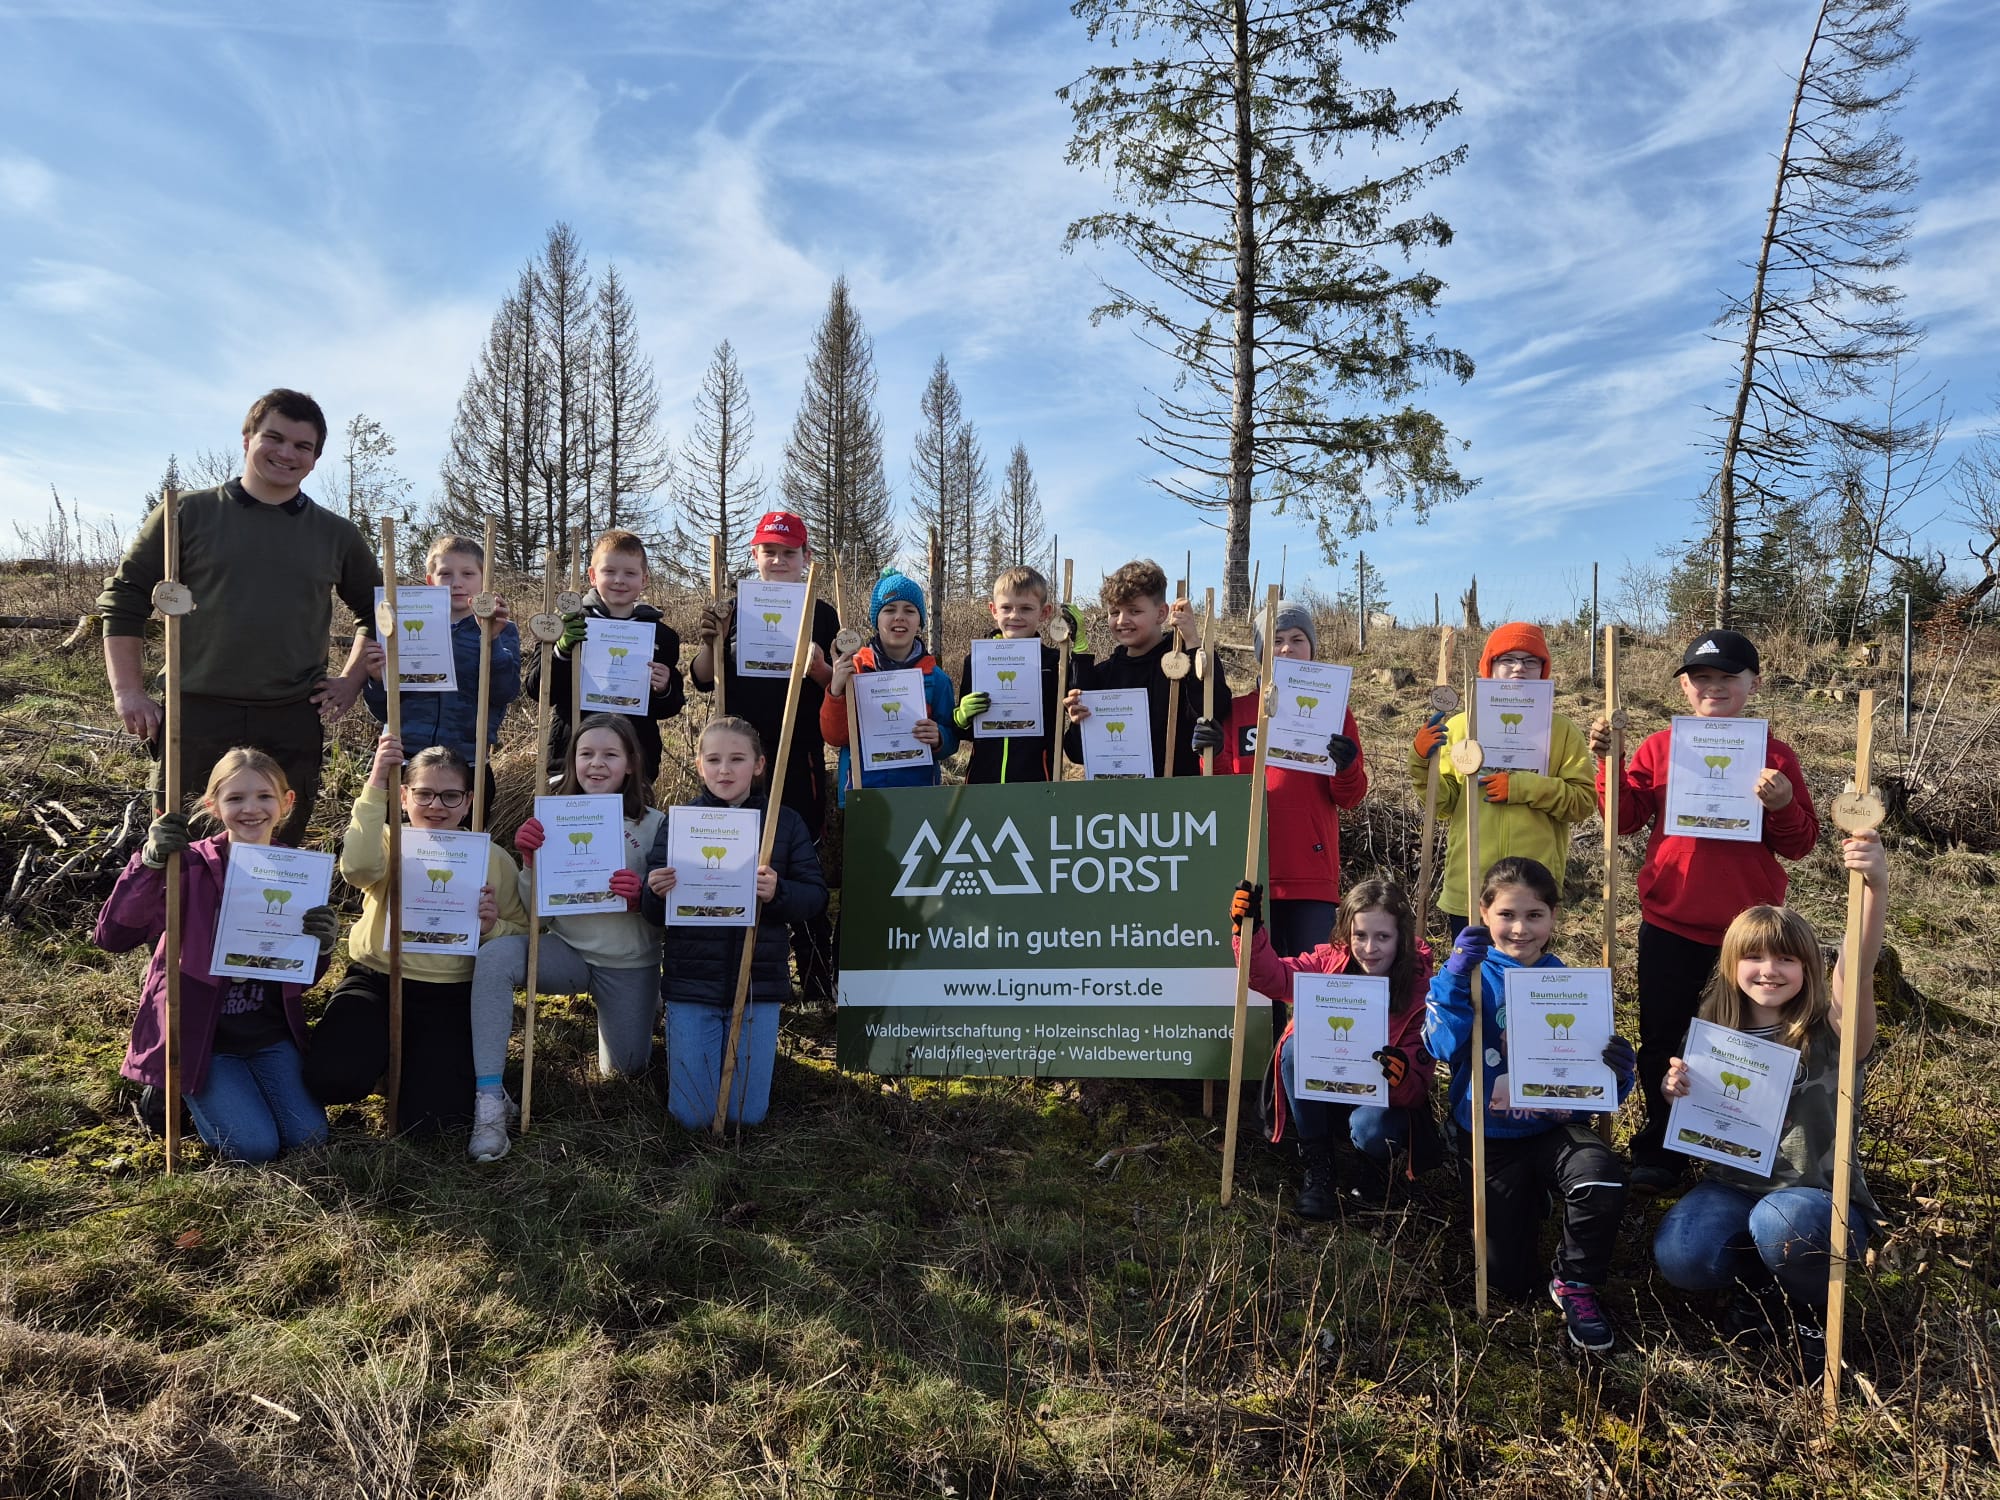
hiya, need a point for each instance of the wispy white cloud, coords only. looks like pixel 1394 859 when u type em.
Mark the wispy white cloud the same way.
pixel 26 186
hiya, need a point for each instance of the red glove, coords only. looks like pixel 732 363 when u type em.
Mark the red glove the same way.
pixel 1495 786
pixel 1429 737
pixel 626 883
pixel 528 838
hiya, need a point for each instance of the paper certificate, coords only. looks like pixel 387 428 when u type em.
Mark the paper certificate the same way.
pixel 1557 1023
pixel 424 660
pixel 889 705
pixel 443 871
pixel 1339 1023
pixel 1740 1088
pixel 583 845
pixel 1515 722
pixel 1010 673
pixel 1118 735
pixel 1712 771
pixel 260 931
pixel 767 627
pixel 713 851
pixel 616 666
pixel 1308 707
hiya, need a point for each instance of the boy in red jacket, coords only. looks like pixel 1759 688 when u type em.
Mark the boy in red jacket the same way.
pixel 1691 889
pixel 1304 809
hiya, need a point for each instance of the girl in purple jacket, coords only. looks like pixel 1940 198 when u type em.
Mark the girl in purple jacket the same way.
pixel 241 1039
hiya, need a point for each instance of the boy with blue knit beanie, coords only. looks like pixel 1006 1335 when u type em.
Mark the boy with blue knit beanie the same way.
pixel 897 609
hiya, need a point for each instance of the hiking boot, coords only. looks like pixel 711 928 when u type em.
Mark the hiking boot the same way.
pixel 150 1110
pixel 1656 1179
pixel 1317 1184
pixel 1755 1315
pixel 1589 1328
pixel 1802 1335
pixel 489 1128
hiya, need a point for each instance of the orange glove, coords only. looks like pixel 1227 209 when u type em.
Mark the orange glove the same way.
pixel 1246 905
pixel 1495 786
pixel 1395 1064
pixel 1429 737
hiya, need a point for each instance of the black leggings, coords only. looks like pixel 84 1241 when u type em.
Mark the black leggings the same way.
pixel 1673 972
pixel 349 1049
pixel 1523 1173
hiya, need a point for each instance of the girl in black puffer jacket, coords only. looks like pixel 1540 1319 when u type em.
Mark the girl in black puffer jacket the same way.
pixel 698 976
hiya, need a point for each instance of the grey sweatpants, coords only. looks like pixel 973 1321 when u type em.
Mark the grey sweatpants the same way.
pixel 627 1000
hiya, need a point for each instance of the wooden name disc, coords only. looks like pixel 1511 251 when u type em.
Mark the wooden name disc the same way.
pixel 1620 721
pixel 544 627
pixel 1444 699
pixel 1857 812
pixel 385 616
pixel 1175 665
pixel 1057 630
pixel 1467 757
pixel 172 598
pixel 568 602
pixel 486 606
pixel 847 642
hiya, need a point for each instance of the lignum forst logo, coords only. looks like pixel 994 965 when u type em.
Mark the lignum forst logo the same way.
pixel 1088 854
pixel 966 867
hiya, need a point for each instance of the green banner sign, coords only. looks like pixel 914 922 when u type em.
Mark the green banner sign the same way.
pixel 1069 930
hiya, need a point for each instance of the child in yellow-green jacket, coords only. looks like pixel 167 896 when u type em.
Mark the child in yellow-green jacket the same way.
pixel 1521 813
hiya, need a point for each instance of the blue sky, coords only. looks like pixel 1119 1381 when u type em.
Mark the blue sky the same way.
pixel 200 200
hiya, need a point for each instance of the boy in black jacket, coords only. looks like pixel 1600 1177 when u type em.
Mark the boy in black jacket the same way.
pixel 617 592
pixel 1020 609
pixel 1136 598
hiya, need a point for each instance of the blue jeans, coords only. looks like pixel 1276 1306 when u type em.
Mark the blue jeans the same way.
pixel 1374 1132
pixel 1720 1235
pixel 697 1036
pixel 254 1106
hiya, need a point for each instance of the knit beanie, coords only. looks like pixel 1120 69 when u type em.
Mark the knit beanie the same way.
pixel 1290 615
pixel 893 585
pixel 1514 636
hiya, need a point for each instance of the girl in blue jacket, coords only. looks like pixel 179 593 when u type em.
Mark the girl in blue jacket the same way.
pixel 897 610
pixel 698 975
pixel 1533 1156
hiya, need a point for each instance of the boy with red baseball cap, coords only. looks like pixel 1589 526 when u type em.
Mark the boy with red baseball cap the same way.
pixel 782 552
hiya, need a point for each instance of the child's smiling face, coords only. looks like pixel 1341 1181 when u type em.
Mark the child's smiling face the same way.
pixel 250 807
pixel 1020 613
pixel 1138 623
pixel 461 573
pixel 435 797
pixel 1373 941
pixel 1520 921
pixel 730 765
pixel 1715 694
pixel 620 581
pixel 1769 981
pixel 778 564
pixel 601 763
pixel 897 623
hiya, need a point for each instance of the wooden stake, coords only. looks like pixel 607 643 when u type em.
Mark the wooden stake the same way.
pixel 388 624
pixel 1444 700
pixel 547 629
pixel 576 664
pixel 1059 628
pixel 1233 1105
pixel 483 609
pixel 1466 759
pixel 721 636
pixel 1616 716
pixel 171 600
pixel 1860 809
pixel 1205 664
pixel 772 811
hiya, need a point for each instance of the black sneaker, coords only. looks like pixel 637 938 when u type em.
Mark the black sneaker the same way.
pixel 1805 1333
pixel 149 1109
pixel 1755 1317
pixel 1317 1184
pixel 1589 1328
pixel 1656 1179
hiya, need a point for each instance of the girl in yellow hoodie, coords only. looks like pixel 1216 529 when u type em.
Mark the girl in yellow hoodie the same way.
pixel 1521 813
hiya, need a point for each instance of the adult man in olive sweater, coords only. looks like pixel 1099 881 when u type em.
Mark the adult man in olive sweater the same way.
pixel 262 562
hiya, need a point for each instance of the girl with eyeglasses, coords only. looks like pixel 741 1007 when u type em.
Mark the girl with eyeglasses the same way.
pixel 349 1051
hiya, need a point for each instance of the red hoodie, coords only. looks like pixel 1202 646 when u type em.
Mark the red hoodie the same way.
pixel 1695 888
pixel 1303 812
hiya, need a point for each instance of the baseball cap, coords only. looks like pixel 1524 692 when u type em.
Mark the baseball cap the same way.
pixel 1725 650
pixel 780 528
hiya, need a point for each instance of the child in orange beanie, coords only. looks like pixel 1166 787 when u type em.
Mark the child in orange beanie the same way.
pixel 1522 813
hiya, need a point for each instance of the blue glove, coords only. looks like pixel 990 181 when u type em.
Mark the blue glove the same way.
pixel 1468 952
pixel 1622 1060
pixel 1343 751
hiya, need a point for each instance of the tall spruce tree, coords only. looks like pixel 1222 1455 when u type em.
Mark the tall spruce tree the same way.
pixel 565 331
pixel 718 490
pixel 833 460
pixel 632 459
pixel 1020 533
pixel 935 482
pixel 1290 298
pixel 970 518
pixel 491 456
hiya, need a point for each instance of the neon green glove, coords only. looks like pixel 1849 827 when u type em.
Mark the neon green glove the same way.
pixel 1077 641
pixel 572 636
pixel 970 707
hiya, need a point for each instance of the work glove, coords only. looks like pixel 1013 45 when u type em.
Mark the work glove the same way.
pixel 970 707
pixel 1495 787
pixel 1622 1060
pixel 1246 905
pixel 1429 737
pixel 1468 952
pixel 168 835
pixel 1207 735
pixel 1343 751
pixel 626 883
pixel 1076 637
pixel 574 627
pixel 528 838
pixel 322 922
pixel 1395 1064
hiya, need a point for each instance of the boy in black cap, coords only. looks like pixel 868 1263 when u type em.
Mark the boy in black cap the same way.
pixel 1691 889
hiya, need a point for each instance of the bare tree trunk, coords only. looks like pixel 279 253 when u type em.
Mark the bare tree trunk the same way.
pixel 1753 327
pixel 1242 408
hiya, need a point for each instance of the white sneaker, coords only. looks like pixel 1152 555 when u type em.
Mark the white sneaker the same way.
pixel 489 1128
